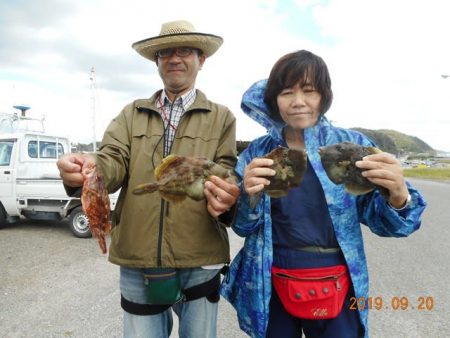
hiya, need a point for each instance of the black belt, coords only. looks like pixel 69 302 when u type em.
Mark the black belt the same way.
pixel 319 249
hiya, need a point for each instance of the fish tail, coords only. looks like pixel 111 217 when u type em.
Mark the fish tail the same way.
pixel 102 244
pixel 253 200
pixel 146 188
pixel 107 228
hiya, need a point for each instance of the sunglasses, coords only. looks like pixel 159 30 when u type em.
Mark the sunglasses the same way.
pixel 179 51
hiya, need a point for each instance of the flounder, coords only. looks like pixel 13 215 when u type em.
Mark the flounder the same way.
pixel 290 167
pixel 181 176
pixel 339 160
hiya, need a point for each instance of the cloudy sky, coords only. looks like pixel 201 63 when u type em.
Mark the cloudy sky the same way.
pixel 386 58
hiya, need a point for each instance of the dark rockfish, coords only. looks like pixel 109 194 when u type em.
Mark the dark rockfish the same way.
pixel 339 160
pixel 96 205
pixel 181 176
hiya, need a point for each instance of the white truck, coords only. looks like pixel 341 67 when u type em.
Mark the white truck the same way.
pixel 30 185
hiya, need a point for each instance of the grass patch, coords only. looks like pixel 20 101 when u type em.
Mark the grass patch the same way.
pixel 429 173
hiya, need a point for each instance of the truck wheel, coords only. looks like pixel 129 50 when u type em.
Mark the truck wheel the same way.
pixel 79 223
pixel 2 216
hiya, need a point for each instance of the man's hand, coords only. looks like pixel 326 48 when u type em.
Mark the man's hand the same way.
pixel 70 168
pixel 220 195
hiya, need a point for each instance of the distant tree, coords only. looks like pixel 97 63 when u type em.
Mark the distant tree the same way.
pixel 383 141
pixel 241 145
pixel 397 143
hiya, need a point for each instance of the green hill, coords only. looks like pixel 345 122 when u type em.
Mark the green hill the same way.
pixel 387 140
pixel 397 143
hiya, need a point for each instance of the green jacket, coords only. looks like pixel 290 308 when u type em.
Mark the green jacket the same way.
pixel 148 231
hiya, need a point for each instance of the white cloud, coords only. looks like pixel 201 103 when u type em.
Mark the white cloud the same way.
pixel 386 65
pixel 385 58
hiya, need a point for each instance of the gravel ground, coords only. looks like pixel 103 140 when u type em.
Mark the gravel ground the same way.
pixel 55 285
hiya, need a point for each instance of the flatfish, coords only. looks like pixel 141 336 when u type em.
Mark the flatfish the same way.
pixel 178 177
pixel 339 160
pixel 290 167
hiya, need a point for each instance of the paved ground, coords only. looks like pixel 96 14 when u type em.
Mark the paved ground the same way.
pixel 55 285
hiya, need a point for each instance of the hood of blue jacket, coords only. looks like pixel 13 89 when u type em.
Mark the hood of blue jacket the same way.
pixel 254 106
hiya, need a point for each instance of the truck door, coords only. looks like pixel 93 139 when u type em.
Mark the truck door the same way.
pixel 6 168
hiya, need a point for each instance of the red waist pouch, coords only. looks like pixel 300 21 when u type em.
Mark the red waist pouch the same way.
pixel 317 293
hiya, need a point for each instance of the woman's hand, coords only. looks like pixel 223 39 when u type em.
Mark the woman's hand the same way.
pixel 386 171
pixel 255 174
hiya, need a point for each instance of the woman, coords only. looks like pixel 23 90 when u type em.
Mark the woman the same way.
pixel 316 227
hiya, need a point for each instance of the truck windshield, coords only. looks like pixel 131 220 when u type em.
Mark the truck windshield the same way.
pixel 5 152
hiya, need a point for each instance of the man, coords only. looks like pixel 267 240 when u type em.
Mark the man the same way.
pixel 184 244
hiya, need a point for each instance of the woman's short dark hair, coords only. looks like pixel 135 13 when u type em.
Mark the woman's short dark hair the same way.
pixel 298 68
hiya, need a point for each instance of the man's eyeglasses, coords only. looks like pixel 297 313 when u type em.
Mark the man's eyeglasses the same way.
pixel 180 52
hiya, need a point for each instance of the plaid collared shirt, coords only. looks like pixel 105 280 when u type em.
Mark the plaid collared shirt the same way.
pixel 171 114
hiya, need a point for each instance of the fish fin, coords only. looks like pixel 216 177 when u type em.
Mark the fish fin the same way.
pixel 102 243
pixel 344 163
pixel 336 173
pixel 356 189
pixel 196 189
pixel 107 227
pixel 146 188
pixel 374 150
pixel 253 200
pixel 172 197
pixel 277 193
pixel 164 164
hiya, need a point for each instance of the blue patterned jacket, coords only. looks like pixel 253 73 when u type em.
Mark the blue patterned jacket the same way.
pixel 248 285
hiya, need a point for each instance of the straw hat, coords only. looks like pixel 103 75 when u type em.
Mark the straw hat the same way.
pixel 178 34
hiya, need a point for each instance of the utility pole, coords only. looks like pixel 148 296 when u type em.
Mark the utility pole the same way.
pixel 92 78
